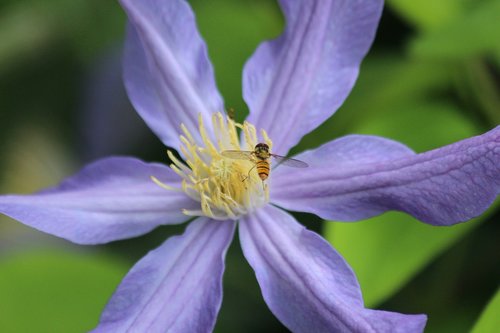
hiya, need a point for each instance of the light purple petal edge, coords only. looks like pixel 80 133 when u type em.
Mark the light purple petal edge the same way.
pixel 110 199
pixel 167 73
pixel 176 287
pixel 299 80
pixel 357 177
pixel 306 283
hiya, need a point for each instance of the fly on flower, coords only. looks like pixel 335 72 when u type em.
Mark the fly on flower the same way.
pixel 307 285
pixel 260 156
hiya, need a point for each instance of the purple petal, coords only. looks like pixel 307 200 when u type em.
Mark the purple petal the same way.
pixel 300 79
pixel 175 288
pixel 167 72
pixel 357 177
pixel 306 283
pixel 110 199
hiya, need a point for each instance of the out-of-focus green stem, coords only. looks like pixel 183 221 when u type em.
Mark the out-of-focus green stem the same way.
pixel 479 85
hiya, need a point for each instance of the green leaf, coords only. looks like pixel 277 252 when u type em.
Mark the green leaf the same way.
pixel 466 36
pixel 427 14
pixel 54 291
pixel 489 321
pixel 387 251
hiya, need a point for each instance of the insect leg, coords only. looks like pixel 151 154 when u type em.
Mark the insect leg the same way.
pixel 249 172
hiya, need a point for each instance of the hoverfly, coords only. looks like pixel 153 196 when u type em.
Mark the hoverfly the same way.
pixel 260 156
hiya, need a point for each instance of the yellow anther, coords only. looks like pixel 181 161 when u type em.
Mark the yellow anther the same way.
pixel 216 181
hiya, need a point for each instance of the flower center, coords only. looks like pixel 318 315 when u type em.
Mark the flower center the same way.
pixel 225 187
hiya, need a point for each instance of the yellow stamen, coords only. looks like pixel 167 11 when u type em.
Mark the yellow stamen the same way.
pixel 163 185
pixel 223 186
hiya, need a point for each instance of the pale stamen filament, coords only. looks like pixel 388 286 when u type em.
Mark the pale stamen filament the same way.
pixel 226 188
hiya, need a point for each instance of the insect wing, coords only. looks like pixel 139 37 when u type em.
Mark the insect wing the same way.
pixel 291 162
pixel 237 154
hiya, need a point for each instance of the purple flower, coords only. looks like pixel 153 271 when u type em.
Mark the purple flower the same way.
pixel 291 85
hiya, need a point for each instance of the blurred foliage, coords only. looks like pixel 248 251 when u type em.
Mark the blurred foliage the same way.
pixel 429 14
pixel 53 291
pixel 30 27
pixel 389 238
pixel 471 31
pixel 431 78
pixel 490 320
pixel 261 20
pixel 33 160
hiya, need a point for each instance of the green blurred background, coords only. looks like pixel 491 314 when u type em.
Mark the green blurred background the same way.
pixel 431 78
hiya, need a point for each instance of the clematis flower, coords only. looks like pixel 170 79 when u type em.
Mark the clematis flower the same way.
pixel 291 85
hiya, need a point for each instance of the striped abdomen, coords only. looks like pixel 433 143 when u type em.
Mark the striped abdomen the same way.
pixel 262 169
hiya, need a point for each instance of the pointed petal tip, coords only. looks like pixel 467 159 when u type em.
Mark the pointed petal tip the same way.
pixel 357 177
